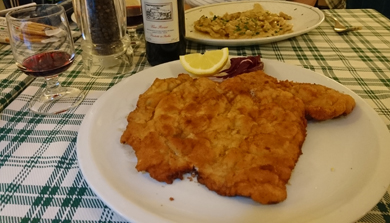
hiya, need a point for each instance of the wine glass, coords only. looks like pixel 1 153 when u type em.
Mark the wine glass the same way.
pixel 42 46
pixel 134 20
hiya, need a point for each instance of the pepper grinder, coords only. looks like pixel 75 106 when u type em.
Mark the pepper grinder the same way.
pixel 105 43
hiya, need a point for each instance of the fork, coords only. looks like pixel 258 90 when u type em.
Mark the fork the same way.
pixel 340 28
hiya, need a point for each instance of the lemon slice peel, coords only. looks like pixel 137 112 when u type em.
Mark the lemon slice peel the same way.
pixel 205 64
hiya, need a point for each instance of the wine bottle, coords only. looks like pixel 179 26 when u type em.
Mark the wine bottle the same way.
pixel 164 27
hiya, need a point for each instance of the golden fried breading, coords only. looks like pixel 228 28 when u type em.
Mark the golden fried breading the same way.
pixel 150 125
pixel 239 142
pixel 242 136
pixel 321 103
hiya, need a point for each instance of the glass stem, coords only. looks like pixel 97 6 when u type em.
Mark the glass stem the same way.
pixel 53 87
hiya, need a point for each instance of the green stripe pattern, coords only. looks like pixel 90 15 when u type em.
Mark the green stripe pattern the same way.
pixel 40 180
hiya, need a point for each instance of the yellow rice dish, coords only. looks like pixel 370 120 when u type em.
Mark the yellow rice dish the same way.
pixel 253 23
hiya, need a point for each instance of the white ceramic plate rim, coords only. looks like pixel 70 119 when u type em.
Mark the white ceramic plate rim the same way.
pixel 298 11
pixel 334 171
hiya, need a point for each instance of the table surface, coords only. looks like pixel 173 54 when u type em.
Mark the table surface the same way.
pixel 40 180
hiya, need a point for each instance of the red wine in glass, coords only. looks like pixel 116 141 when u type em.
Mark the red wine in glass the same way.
pixel 134 20
pixel 134 15
pixel 43 47
pixel 46 64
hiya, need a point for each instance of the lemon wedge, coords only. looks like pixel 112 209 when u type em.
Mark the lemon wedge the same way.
pixel 205 64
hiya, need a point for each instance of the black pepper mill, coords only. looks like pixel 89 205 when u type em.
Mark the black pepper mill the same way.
pixel 106 45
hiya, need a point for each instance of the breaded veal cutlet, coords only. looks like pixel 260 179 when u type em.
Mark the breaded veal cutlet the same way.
pixel 321 103
pixel 242 136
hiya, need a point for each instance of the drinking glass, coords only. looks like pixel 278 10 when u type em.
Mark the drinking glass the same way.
pixel 134 20
pixel 42 46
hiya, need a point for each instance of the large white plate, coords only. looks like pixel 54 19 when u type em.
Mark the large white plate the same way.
pixel 341 175
pixel 305 18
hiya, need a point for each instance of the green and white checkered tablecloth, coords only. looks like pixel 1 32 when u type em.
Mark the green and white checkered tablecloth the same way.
pixel 40 180
pixel 12 82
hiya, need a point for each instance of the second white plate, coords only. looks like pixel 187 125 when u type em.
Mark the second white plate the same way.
pixel 305 18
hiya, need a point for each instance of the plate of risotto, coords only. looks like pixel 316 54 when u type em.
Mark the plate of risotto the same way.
pixel 247 23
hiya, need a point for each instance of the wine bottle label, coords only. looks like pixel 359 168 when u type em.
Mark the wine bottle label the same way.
pixel 161 21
